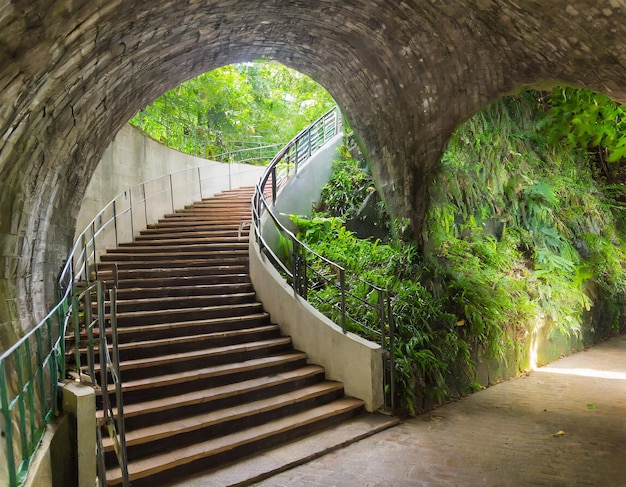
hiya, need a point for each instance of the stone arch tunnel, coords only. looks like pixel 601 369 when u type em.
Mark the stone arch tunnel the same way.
pixel 405 73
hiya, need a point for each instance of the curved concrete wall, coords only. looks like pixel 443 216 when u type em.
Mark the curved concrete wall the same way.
pixel 133 158
pixel 346 357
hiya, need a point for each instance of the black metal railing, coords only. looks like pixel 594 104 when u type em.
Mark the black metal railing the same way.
pixel 352 303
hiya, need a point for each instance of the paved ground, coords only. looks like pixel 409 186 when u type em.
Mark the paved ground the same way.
pixel 564 425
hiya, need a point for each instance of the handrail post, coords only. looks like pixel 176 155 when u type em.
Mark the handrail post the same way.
pixel 342 284
pixel 200 181
pixel 145 203
pixel 115 223
pixel 120 424
pixel 171 196
pixel 93 245
pixel 299 268
pixel 392 352
pixel 130 208
pixel 85 260
pixel 8 421
pixel 273 185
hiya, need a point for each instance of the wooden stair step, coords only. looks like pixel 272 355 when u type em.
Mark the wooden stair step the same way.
pixel 222 208
pixel 210 372
pixel 166 241
pixel 176 302
pixel 221 325
pixel 174 315
pixel 213 273
pixel 154 229
pixel 211 211
pixel 308 372
pixel 174 237
pixel 182 290
pixel 268 346
pixel 199 340
pixel 182 263
pixel 246 410
pixel 258 434
pixel 157 254
pixel 175 249
pixel 195 223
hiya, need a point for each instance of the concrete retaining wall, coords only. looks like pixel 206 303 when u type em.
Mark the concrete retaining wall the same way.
pixel 346 357
pixel 133 158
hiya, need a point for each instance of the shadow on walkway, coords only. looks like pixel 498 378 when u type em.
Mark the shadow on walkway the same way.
pixel 562 425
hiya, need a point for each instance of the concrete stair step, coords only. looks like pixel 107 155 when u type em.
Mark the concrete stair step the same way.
pixel 165 304
pixel 265 464
pixel 266 434
pixel 246 413
pixel 237 392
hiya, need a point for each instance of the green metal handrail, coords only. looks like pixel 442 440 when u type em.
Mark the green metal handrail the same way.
pixel 31 369
pixel 296 262
pixel 29 373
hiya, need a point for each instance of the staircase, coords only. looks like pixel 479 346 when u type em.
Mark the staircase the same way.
pixel 207 377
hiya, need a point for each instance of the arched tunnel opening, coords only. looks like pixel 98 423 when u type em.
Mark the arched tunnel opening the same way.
pixel 404 74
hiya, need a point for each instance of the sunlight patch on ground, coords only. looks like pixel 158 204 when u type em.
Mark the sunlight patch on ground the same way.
pixel 600 374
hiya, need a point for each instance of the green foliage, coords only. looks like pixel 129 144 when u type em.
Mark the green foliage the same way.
pixel 343 195
pixel 234 107
pixel 518 232
pixel 589 120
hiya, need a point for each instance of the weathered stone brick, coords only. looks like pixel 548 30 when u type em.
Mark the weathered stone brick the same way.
pixel 72 72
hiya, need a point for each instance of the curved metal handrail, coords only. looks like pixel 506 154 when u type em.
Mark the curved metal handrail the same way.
pixel 296 265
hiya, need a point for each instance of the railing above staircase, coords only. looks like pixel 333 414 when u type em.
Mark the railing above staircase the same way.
pixel 31 369
pixel 299 264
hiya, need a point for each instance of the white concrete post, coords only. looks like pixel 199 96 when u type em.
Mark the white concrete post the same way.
pixel 80 400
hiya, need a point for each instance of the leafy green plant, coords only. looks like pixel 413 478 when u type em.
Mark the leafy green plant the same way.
pixel 518 232
pixel 234 107
pixel 588 119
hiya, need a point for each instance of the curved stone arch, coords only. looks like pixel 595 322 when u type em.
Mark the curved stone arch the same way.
pixel 405 73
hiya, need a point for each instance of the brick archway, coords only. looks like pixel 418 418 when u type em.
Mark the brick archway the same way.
pixel 406 73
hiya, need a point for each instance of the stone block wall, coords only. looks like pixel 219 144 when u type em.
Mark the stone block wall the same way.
pixel 72 72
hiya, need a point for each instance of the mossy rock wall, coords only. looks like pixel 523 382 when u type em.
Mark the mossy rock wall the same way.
pixel 604 320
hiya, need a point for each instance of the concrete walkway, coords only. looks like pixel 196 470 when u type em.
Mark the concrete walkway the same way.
pixel 563 425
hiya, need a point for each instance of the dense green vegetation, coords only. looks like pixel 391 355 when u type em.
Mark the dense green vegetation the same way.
pixel 234 107
pixel 526 227
pixel 525 230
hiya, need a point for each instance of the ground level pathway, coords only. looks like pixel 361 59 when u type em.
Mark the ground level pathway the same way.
pixel 563 425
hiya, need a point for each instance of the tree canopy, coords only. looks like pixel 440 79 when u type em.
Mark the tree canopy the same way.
pixel 234 107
